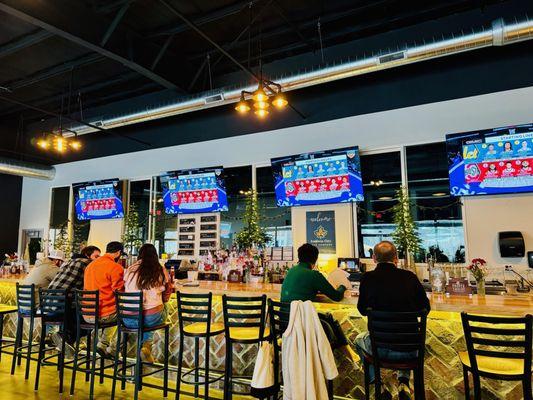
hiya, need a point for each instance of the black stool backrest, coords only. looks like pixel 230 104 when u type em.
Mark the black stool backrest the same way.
pixel 194 308
pixel 87 304
pixel 244 312
pixel 482 331
pixel 129 306
pixel 52 301
pixel 397 331
pixel 279 314
pixel 26 300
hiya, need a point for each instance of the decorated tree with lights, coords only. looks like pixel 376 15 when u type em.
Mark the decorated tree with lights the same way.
pixel 131 237
pixel 252 234
pixel 62 240
pixel 405 235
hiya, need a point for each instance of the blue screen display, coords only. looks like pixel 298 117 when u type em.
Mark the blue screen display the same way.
pixel 98 200
pixel 194 191
pixel 323 177
pixel 492 161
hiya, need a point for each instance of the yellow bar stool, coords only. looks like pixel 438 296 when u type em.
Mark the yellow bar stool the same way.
pixel 244 323
pixel 509 356
pixel 194 320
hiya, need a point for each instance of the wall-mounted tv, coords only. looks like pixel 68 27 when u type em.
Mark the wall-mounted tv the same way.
pixel 98 200
pixel 492 161
pixel 322 177
pixel 194 191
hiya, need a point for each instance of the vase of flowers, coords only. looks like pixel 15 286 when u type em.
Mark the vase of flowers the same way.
pixel 478 268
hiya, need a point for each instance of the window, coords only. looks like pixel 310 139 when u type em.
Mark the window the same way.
pixel 276 220
pixel 382 177
pixel 437 214
pixel 238 180
pixel 140 198
pixel 59 215
pixel 165 225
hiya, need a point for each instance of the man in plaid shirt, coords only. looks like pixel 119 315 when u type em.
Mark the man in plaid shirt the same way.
pixel 70 277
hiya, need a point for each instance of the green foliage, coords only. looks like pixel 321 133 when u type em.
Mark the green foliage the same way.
pixel 405 235
pixel 252 234
pixel 62 240
pixel 131 238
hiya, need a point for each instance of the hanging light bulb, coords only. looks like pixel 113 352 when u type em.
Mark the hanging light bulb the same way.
pixel 260 95
pixel 242 106
pixel 76 144
pixel 279 101
pixel 261 105
pixel 43 144
pixel 261 112
pixel 60 144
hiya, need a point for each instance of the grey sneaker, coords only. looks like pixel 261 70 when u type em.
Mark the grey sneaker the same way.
pixel 57 341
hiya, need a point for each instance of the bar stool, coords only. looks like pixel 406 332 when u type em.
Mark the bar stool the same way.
pixel 52 310
pixel 511 361
pixel 402 332
pixel 88 305
pixel 130 306
pixel 279 314
pixel 194 319
pixel 5 343
pixel 244 323
pixel 26 308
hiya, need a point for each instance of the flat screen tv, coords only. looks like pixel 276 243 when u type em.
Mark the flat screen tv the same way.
pixel 492 161
pixel 98 200
pixel 322 177
pixel 191 191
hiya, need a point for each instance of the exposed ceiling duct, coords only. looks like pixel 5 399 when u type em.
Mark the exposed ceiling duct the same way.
pixel 499 34
pixel 23 168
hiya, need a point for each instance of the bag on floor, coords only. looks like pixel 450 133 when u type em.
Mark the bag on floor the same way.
pixel 263 380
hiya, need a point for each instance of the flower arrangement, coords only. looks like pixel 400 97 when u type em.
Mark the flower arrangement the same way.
pixel 478 268
pixel 11 258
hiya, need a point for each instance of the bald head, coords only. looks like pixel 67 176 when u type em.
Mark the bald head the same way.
pixel 385 252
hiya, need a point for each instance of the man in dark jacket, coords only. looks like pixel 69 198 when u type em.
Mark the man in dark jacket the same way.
pixel 389 288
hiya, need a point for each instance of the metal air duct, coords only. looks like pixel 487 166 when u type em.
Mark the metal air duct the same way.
pixel 30 170
pixel 498 35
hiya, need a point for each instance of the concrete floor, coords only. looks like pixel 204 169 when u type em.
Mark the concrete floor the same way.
pixel 14 387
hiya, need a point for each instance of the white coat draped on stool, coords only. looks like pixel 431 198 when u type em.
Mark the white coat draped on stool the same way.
pixel 306 355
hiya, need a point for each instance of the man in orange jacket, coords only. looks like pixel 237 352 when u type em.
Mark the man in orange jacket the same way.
pixel 106 275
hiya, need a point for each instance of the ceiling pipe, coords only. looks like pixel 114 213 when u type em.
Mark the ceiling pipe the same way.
pixel 499 34
pixel 27 169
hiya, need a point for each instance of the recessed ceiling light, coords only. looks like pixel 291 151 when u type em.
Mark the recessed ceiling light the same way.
pixel 385 198
pixel 440 194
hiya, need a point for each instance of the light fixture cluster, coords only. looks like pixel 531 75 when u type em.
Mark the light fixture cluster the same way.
pixel 268 93
pixel 376 183
pixel 58 143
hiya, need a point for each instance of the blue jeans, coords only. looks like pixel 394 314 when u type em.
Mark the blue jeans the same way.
pixel 363 345
pixel 149 321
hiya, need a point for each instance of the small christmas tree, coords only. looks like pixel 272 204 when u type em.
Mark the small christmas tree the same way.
pixel 405 235
pixel 252 234
pixel 62 240
pixel 131 237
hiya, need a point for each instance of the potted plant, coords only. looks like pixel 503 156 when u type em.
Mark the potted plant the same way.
pixel 478 268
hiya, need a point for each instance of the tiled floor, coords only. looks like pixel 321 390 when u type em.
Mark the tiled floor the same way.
pixel 16 388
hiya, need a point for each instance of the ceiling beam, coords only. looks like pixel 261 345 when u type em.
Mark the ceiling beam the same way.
pixel 207 18
pixel 114 24
pixel 24 41
pixel 57 18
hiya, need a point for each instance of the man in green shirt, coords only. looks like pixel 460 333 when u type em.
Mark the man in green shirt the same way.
pixel 303 283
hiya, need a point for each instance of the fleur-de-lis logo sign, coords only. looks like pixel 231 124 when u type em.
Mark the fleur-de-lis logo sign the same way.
pixel 321 232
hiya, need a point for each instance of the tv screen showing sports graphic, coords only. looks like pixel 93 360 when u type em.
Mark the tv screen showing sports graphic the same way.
pixel 492 161
pixel 322 177
pixel 194 191
pixel 98 200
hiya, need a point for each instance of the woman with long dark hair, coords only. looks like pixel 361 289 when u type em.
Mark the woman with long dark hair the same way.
pixel 148 276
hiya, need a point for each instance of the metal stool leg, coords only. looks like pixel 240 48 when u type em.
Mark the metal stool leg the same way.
pixel 477 387
pixel 91 355
pixel 138 366
pixel 88 359
pixel 124 360
pixel 206 361
pixel 30 344
pixel 180 361
pixel 227 369
pixel 18 342
pixel 61 361
pixel 526 386
pixel 165 363
pixel 40 356
pixel 196 365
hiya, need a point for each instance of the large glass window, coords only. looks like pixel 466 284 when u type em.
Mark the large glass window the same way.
pixel 238 181
pixel 276 220
pixel 437 214
pixel 140 199
pixel 382 176
pixel 59 227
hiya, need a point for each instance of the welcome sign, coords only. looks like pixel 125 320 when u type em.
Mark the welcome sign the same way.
pixel 320 227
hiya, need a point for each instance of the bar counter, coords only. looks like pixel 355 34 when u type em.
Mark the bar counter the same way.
pixel 443 373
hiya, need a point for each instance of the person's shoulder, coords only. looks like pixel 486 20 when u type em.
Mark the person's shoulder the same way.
pixel 406 274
